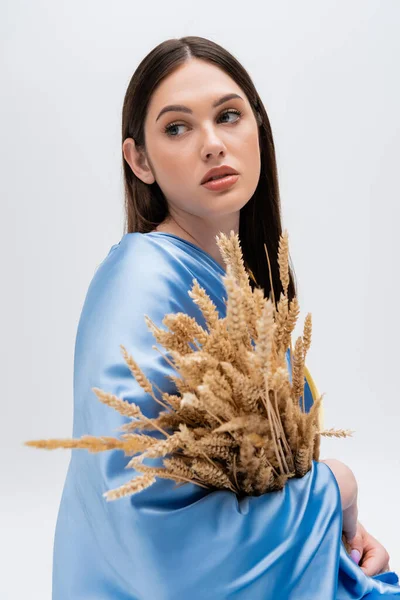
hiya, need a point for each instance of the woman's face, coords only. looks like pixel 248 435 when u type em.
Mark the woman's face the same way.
pixel 181 146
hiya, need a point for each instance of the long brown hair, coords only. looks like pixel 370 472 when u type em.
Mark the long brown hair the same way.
pixel 146 206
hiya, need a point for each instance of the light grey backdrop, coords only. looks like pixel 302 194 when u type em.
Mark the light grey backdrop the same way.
pixel 328 75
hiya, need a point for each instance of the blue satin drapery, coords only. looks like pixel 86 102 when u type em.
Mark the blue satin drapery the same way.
pixel 186 543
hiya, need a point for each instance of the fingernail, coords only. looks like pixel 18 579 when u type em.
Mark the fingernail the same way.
pixel 355 555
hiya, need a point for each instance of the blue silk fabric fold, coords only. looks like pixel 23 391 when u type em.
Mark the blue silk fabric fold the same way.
pixel 180 543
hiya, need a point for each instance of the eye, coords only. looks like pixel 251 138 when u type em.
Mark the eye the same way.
pixel 170 126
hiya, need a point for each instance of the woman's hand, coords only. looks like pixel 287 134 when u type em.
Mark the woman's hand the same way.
pixel 374 557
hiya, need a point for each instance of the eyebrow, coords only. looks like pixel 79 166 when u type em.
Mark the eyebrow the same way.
pixel 185 109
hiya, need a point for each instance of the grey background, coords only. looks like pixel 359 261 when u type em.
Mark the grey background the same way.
pixel 328 75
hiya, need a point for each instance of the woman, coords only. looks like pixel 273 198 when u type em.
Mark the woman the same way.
pixel 189 108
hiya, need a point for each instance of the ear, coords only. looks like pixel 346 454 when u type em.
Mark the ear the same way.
pixel 137 160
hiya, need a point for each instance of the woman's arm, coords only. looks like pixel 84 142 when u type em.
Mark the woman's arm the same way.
pixel 348 492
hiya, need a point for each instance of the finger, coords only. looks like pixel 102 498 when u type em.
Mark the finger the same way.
pixel 356 548
pixel 355 541
pixel 386 568
pixel 355 555
pixel 373 562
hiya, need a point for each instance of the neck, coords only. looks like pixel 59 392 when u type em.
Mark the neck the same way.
pixel 204 237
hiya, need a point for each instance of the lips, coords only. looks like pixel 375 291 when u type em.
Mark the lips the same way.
pixel 218 172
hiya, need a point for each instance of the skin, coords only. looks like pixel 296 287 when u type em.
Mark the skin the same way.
pixel 374 557
pixel 178 161
pixel 348 494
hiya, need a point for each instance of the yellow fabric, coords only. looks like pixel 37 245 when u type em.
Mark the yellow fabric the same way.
pixel 315 394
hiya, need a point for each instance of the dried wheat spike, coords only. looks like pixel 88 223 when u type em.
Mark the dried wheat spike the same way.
pixel 131 487
pixel 337 433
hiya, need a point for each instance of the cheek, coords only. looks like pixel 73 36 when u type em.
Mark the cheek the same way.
pixel 167 164
pixel 175 156
pixel 250 159
pixel 250 152
pixel 174 172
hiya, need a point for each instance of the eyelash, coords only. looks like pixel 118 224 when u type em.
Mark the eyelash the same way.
pixel 229 110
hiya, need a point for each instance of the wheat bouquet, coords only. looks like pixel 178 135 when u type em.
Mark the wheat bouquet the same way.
pixel 237 421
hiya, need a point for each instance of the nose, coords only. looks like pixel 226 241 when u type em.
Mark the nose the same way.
pixel 220 153
pixel 213 145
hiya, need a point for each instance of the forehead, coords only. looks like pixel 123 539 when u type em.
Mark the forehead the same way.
pixel 196 84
